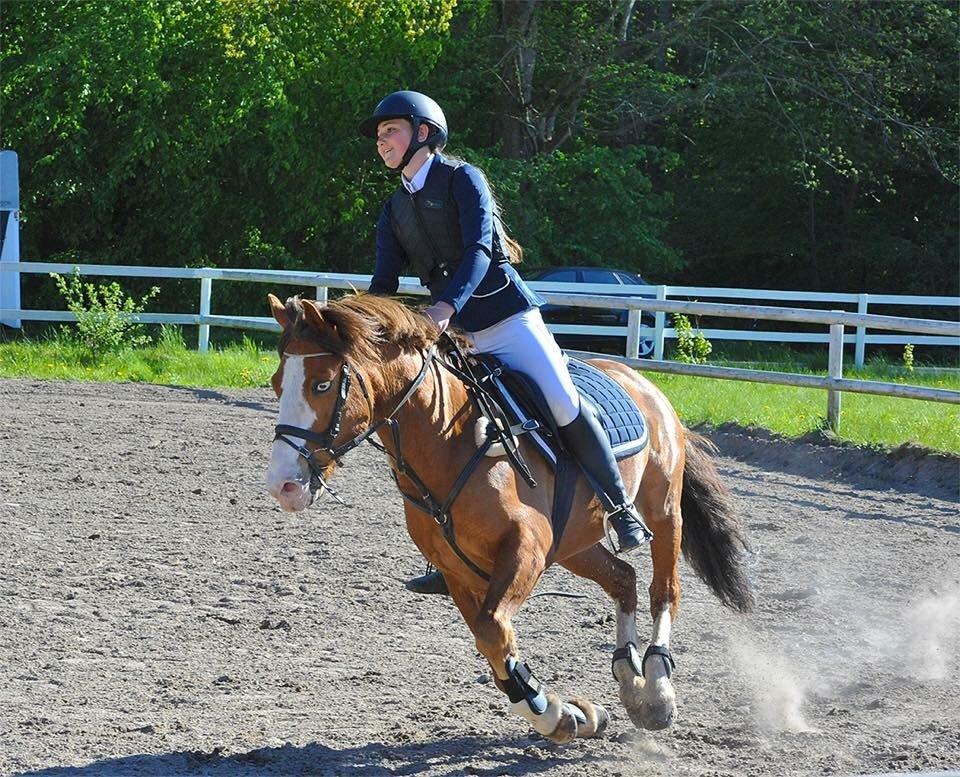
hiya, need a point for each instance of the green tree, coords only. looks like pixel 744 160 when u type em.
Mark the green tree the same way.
pixel 211 132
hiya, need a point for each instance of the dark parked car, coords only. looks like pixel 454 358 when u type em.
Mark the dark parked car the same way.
pixel 562 314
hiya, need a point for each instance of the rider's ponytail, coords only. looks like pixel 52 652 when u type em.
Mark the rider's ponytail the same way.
pixel 513 249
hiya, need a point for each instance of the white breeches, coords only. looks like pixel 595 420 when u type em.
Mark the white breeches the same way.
pixel 524 344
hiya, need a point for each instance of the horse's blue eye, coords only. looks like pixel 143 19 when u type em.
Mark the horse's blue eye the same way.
pixel 319 386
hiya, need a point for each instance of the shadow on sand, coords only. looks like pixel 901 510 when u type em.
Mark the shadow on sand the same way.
pixel 225 399
pixel 459 755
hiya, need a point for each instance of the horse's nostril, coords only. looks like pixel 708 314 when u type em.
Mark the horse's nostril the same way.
pixel 289 487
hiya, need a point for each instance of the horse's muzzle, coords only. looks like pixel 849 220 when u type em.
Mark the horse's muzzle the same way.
pixel 293 496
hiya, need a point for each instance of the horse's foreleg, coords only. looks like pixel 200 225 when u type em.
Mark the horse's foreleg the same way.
pixel 519 564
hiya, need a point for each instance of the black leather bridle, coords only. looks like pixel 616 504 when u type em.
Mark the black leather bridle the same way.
pixel 325 441
pixel 424 500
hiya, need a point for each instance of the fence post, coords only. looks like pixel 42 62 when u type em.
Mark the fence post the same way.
pixel 659 318
pixel 203 339
pixel 861 339
pixel 322 295
pixel 633 334
pixel 835 370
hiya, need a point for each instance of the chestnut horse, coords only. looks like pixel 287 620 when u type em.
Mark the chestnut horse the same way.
pixel 367 365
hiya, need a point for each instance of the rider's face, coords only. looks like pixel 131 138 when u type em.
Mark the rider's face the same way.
pixel 393 140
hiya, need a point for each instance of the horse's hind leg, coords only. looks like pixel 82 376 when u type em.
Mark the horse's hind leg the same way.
pixel 644 682
pixel 519 564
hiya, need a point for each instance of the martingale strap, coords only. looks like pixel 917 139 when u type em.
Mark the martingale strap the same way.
pixel 425 501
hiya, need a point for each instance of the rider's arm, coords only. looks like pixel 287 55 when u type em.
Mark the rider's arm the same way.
pixel 475 209
pixel 390 257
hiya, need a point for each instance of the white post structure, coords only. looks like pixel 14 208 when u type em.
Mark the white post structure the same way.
pixel 203 339
pixel 861 340
pixel 660 319
pixel 633 334
pixel 9 233
pixel 322 295
pixel 835 370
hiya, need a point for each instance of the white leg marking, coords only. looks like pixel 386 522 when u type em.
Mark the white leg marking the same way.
pixel 546 723
pixel 661 628
pixel 655 668
pixel 626 627
pixel 285 463
pixel 626 633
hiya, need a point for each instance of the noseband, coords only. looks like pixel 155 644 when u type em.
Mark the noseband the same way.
pixel 324 441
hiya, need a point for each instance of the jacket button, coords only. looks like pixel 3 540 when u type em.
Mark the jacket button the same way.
pixel 445 273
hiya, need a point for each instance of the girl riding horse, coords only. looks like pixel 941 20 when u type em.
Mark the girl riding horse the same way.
pixel 443 223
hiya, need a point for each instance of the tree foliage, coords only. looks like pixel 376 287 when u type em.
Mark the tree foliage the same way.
pixel 202 132
pixel 764 143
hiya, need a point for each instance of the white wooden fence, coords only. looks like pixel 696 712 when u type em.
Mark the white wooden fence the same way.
pixel 922 331
pixel 838 301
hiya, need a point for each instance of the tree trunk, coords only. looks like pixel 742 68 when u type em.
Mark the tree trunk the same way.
pixel 664 17
pixel 518 59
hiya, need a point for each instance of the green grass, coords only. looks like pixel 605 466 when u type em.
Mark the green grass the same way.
pixel 864 419
pixel 794 412
pixel 169 361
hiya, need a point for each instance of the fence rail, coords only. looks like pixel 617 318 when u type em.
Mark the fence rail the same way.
pixel 642 298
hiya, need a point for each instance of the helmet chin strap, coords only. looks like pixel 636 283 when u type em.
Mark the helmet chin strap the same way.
pixel 414 147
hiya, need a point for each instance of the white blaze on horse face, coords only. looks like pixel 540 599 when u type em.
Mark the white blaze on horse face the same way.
pixel 286 466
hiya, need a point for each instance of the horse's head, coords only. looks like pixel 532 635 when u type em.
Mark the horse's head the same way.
pixel 319 414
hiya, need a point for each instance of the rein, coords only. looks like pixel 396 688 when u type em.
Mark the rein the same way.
pixel 424 500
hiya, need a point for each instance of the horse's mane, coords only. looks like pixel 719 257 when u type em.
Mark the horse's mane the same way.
pixel 357 324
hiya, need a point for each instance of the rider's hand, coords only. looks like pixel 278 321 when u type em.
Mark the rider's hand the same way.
pixel 440 313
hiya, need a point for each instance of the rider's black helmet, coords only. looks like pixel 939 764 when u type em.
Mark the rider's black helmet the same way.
pixel 417 108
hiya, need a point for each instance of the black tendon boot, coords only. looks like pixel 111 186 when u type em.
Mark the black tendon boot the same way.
pixel 585 438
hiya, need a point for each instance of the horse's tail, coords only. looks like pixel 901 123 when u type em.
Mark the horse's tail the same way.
pixel 714 541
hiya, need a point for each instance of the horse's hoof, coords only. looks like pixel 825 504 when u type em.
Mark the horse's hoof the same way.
pixel 653 719
pixel 566 730
pixel 595 718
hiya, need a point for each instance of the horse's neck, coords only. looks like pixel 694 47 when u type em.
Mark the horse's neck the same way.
pixel 437 410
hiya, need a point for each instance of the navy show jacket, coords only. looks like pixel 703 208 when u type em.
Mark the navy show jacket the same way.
pixel 481 291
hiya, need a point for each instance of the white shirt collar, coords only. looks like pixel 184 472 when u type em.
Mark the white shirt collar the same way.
pixel 420 178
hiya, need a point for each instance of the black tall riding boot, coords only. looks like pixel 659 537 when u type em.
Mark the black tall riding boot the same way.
pixel 585 438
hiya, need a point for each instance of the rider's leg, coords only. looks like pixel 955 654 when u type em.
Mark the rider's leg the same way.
pixel 524 344
pixel 585 438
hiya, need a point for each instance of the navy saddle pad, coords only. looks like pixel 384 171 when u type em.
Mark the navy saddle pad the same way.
pixel 621 418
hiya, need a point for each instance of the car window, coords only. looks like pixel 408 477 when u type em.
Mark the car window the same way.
pixel 599 276
pixel 629 280
pixel 561 276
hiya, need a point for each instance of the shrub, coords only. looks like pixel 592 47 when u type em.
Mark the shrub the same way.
pixel 908 357
pixel 105 314
pixel 690 348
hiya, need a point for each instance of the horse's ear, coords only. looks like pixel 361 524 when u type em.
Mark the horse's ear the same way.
pixel 337 322
pixel 313 313
pixel 278 310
